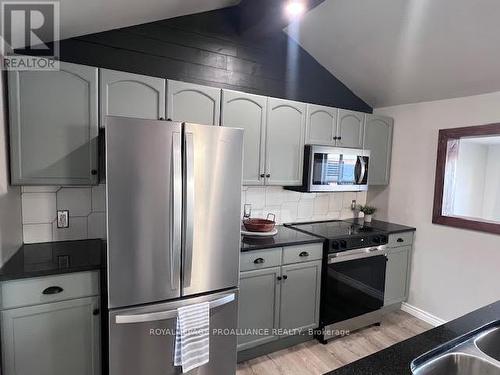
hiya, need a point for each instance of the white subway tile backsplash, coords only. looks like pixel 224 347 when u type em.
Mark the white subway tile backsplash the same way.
pixel 291 196
pixel 336 201
pixel 305 209
pixel 321 204
pixel 34 233
pixel 274 195
pixel 38 207
pixel 77 230
pixel 97 225
pixel 76 200
pixel 348 198
pixel 256 196
pixel 99 198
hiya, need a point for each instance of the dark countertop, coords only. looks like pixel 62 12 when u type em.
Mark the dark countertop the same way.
pixel 397 358
pixel 285 237
pixel 383 225
pixel 52 258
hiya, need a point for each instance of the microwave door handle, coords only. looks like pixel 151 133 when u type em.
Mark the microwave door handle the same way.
pixel 361 177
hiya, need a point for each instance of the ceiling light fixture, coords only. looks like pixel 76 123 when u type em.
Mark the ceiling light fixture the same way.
pixel 295 8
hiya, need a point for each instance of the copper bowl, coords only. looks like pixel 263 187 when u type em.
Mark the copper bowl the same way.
pixel 260 225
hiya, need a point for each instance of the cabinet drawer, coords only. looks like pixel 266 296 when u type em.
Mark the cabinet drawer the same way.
pixel 254 260
pixel 57 288
pixel 302 253
pixel 400 239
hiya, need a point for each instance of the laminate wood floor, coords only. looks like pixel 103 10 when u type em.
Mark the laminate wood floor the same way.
pixel 313 358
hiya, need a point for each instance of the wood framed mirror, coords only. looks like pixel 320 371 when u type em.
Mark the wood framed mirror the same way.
pixel 467 185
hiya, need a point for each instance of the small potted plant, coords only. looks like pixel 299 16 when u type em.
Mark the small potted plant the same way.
pixel 368 211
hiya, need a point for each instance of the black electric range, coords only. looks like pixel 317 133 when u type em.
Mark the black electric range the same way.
pixel 353 281
pixel 342 235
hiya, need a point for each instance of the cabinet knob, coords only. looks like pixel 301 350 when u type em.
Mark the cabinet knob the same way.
pixel 304 254
pixel 339 138
pixel 262 175
pixel 335 138
pixel 268 175
pixel 161 118
pixel 93 172
pixel 259 261
pixel 285 277
pixel 96 312
pixel 400 240
pixel 279 278
pixel 52 290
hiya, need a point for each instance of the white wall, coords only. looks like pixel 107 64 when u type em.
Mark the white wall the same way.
pixel 454 271
pixel 10 197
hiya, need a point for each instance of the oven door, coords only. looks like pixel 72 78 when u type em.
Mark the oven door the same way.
pixel 353 287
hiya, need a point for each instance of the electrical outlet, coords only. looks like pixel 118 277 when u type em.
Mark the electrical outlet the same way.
pixel 354 205
pixel 62 218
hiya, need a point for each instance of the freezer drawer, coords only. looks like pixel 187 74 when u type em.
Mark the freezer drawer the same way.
pixel 141 340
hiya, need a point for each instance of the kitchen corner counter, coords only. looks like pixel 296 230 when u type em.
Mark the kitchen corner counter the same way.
pixel 52 258
pixel 397 358
pixel 284 237
pixel 383 225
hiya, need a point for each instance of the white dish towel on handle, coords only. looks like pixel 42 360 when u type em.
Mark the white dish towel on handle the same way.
pixel 192 336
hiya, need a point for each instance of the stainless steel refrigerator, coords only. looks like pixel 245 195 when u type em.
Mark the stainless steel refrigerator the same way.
pixel 173 219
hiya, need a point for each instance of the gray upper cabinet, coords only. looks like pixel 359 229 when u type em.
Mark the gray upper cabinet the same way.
pixel 131 95
pixel 258 305
pixel 248 112
pixel 193 103
pixel 321 125
pixel 57 338
pixel 54 126
pixel 350 128
pixel 300 295
pixel 285 142
pixel 378 139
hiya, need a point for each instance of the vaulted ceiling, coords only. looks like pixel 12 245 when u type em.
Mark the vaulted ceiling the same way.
pixel 403 51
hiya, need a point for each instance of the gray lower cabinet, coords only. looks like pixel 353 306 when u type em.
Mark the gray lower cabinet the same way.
pixel 397 275
pixel 58 338
pixel 300 291
pixel 350 125
pixel 131 95
pixel 193 103
pixel 378 139
pixel 248 112
pixel 54 333
pixel 285 142
pixel 54 126
pixel 282 298
pixel 258 306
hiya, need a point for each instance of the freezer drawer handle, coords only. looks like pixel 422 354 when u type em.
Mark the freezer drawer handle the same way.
pixel 169 314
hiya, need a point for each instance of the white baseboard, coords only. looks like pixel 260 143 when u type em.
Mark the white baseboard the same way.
pixel 422 315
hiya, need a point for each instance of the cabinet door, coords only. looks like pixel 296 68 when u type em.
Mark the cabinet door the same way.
pixel 193 103
pixel 285 142
pixel 54 126
pixel 321 125
pixel 396 277
pixel 378 139
pixel 300 295
pixel 258 305
pixel 248 111
pixel 350 129
pixel 131 95
pixel 53 339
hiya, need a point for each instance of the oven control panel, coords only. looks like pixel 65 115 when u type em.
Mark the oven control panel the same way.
pixel 356 242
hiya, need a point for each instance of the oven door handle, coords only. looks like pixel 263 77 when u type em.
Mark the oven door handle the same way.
pixel 366 254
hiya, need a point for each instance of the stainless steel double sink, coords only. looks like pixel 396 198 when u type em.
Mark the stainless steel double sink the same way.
pixel 475 353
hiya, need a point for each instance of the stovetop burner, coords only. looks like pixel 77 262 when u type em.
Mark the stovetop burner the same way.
pixel 343 235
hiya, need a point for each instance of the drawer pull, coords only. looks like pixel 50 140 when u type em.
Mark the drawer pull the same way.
pixel 400 240
pixel 304 254
pixel 259 261
pixel 53 290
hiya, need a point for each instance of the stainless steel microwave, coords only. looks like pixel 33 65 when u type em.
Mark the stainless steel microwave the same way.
pixel 334 169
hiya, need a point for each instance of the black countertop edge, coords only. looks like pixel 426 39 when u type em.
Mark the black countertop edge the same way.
pixel 53 258
pixel 397 358
pixel 390 228
pixel 284 237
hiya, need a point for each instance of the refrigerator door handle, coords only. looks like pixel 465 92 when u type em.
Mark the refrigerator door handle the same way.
pixel 169 314
pixel 175 249
pixel 187 256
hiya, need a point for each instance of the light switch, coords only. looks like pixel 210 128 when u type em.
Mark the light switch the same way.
pixel 62 218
